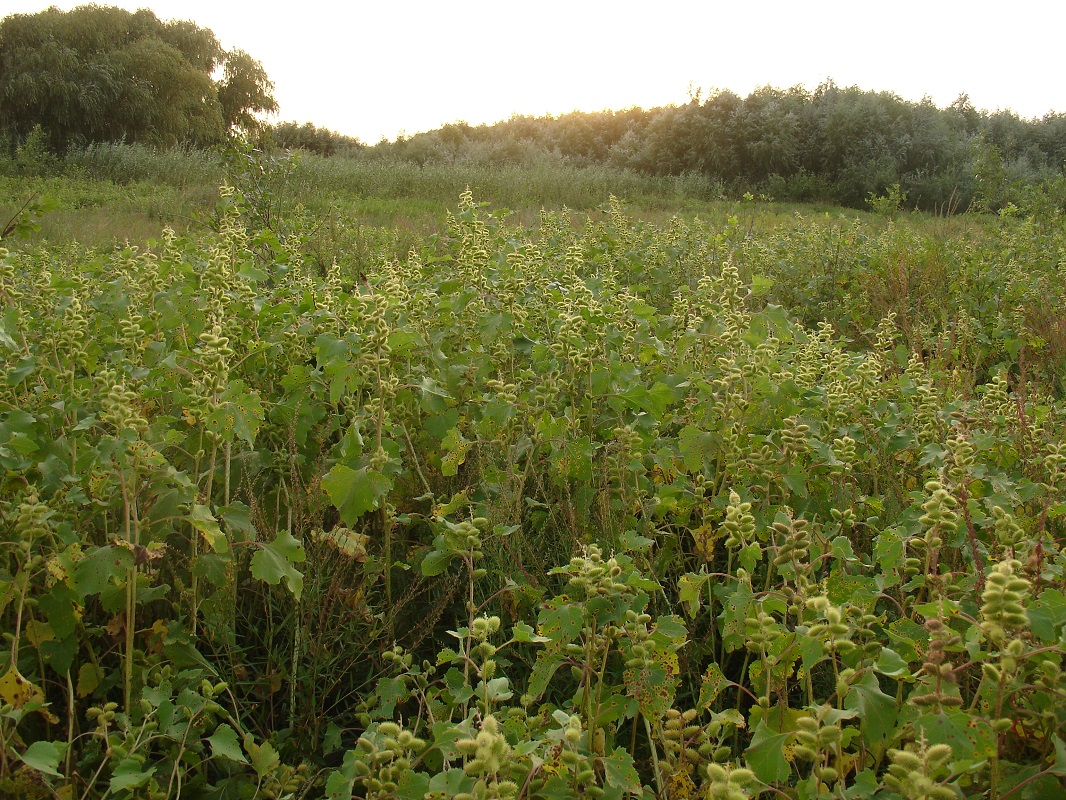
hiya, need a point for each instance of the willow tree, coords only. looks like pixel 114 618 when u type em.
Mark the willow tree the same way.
pixel 102 74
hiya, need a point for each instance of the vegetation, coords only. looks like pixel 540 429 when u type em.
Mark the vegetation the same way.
pixel 745 504
pixel 103 74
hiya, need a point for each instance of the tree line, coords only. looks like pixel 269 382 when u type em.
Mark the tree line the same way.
pixel 837 144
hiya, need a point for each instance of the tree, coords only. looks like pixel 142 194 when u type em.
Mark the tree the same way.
pixel 245 90
pixel 100 74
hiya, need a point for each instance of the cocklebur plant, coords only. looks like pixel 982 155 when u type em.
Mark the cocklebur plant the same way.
pixel 939 521
pixel 685 744
pixel 1055 464
pixel 467 327
pixel 794 439
pixel 927 410
pixel 960 459
pixel 819 742
pixel 937 688
pixel 385 756
pixel 739 523
pixel 730 783
pixel 832 627
pixel 793 552
pixel 1002 602
pixel 488 754
pixel 922 773
pixel 1009 534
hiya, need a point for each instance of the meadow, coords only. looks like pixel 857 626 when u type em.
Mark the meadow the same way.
pixel 355 478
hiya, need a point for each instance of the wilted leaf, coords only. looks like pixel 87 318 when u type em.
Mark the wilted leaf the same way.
pixel 346 541
pixel 17 690
pixel 714 680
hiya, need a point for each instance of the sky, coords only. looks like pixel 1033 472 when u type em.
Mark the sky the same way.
pixel 380 69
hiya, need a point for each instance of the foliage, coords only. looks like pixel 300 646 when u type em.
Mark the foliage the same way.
pixel 103 74
pixel 552 510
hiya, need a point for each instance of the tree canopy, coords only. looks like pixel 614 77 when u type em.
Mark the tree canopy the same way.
pixel 103 74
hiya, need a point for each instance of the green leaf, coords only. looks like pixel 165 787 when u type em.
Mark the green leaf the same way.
pixel 525 633
pixel 1047 615
pixel 22 370
pixel 559 622
pixel 690 591
pixel 630 541
pixel 856 589
pixel 44 757
pixel 865 786
pixel 96 572
pixel 201 518
pixel 238 517
pixel 450 782
pixel 950 727
pixel 224 743
pixel 434 398
pixel 750 556
pixel 413 786
pixel 129 774
pixel 89 677
pixel 435 563
pixel 766 754
pixel 620 773
pixel 695 447
pixel 888 552
pixel 1059 767
pixel 890 663
pixel 906 634
pixel 877 711
pixel 330 349
pixel 244 411
pixel 496 690
pixel 6 340
pixel 265 758
pixel 274 561
pixel 796 480
pixel 761 285
pixel 355 491
pixel 341 781
pixel 655 400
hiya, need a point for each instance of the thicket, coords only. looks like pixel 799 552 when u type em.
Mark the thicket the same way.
pixel 833 144
pixel 551 510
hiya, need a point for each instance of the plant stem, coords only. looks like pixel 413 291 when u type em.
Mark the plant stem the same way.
pixel 654 759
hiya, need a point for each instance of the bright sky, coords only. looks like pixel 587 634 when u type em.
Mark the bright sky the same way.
pixel 376 69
